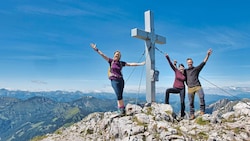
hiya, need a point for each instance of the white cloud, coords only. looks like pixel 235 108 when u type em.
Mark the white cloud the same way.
pixel 229 90
pixel 65 9
pixel 58 10
pixel 39 82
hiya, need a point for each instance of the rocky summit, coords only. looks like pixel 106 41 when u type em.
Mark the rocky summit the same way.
pixel 158 122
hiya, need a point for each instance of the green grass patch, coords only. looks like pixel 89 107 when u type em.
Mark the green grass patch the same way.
pixel 70 113
pixel 90 131
pixel 38 138
pixel 68 124
pixel 203 136
pixel 237 130
pixel 149 111
pixel 138 122
pixel 179 132
pixel 200 121
pixel 168 112
pixel 59 132
pixel 230 119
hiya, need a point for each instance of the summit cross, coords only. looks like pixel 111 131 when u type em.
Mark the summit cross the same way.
pixel 150 39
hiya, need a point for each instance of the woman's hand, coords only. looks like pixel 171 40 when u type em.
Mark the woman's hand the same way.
pixel 94 46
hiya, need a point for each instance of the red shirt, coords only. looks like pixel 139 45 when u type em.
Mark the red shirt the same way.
pixel 179 77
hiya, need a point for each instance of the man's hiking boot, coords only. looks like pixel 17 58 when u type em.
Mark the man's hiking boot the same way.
pixel 179 118
pixel 191 117
pixel 202 113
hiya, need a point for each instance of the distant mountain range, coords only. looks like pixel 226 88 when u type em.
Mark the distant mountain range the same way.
pixel 25 114
pixel 66 96
pixel 24 119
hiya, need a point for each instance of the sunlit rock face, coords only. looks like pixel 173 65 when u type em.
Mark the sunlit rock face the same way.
pixel 158 122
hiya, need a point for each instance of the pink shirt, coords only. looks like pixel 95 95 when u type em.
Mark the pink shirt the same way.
pixel 179 77
pixel 116 68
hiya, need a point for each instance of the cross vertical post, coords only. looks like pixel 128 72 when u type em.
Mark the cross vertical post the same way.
pixel 150 39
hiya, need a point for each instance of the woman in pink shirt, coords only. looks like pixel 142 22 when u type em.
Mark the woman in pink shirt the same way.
pixel 116 76
pixel 178 86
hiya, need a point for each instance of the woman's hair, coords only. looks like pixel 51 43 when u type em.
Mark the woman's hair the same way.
pixel 117 51
pixel 181 65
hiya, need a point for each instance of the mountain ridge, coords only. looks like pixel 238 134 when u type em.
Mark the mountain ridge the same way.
pixel 156 122
pixel 39 113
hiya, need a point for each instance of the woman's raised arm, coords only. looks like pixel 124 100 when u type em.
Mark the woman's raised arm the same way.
pixel 99 52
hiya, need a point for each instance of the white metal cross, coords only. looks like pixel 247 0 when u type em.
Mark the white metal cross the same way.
pixel 150 39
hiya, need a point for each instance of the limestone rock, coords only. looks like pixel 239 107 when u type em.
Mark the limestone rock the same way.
pixel 157 123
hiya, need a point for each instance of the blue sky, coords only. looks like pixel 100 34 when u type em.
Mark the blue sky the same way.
pixel 44 45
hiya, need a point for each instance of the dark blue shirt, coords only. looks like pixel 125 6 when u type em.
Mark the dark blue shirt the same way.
pixel 192 75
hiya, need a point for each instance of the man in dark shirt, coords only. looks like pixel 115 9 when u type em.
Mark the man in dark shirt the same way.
pixel 194 85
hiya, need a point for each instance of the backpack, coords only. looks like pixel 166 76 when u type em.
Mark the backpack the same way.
pixel 110 74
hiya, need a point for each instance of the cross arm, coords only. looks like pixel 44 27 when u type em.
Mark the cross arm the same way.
pixel 147 36
pixel 139 34
pixel 160 39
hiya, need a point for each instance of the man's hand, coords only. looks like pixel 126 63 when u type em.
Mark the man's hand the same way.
pixel 209 52
pixel 143 63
